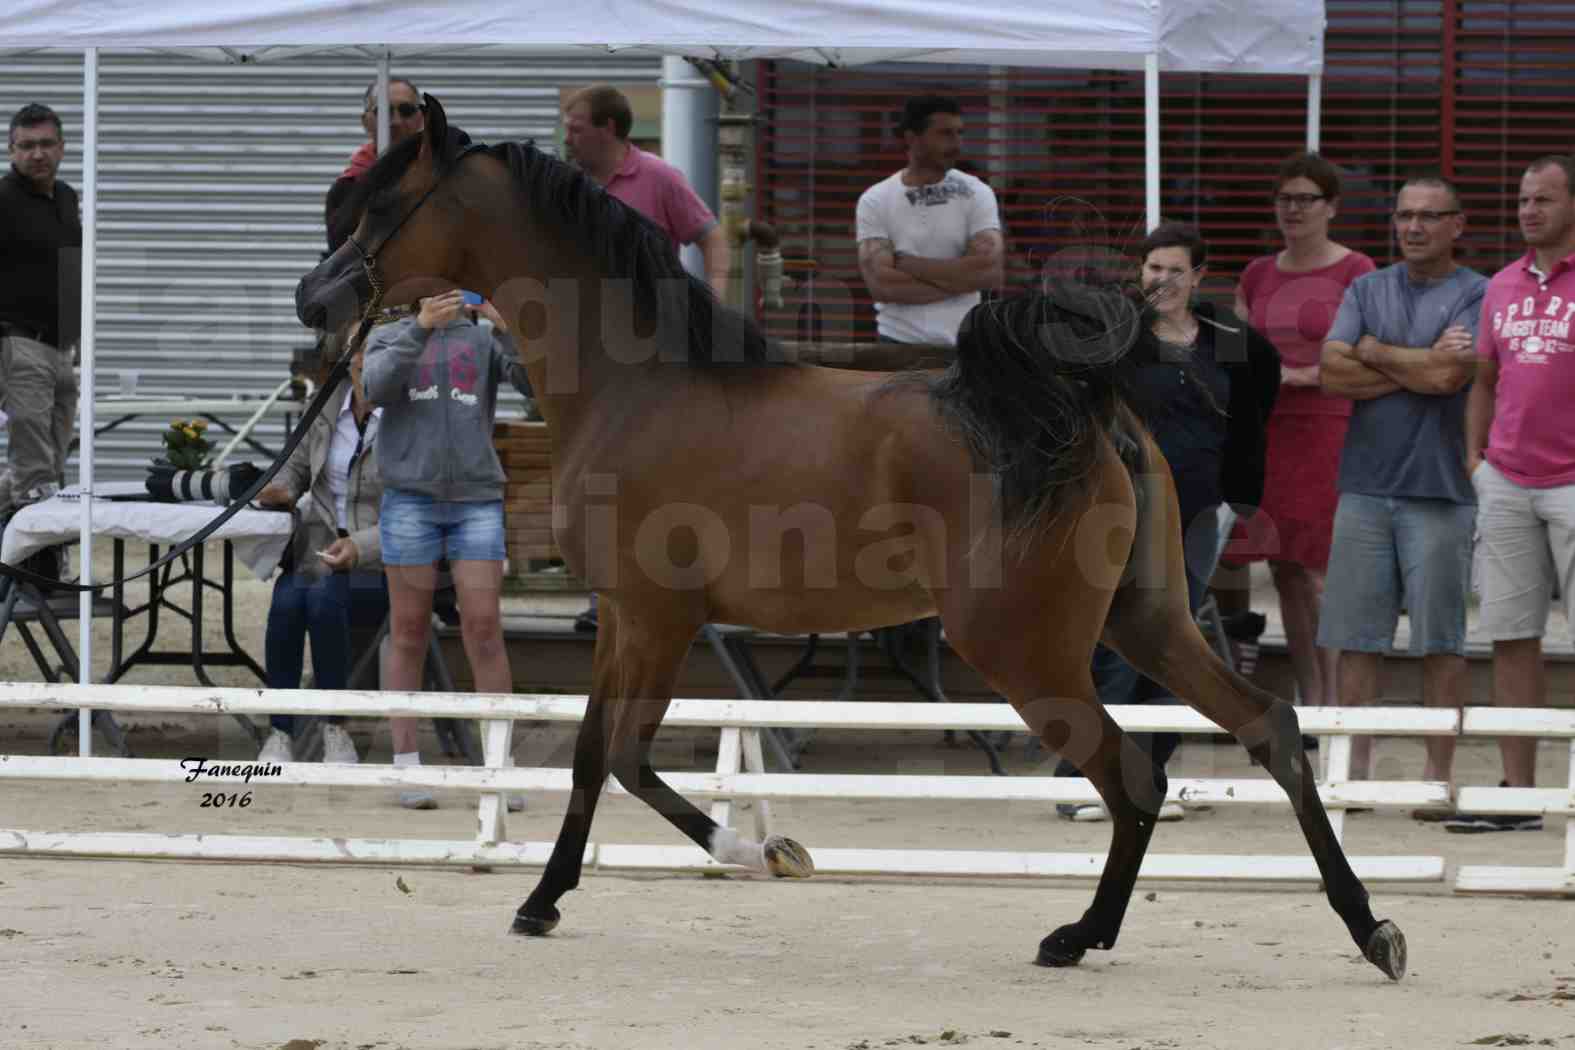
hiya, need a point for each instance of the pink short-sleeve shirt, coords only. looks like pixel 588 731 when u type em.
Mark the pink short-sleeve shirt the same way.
pixel 659 191
pixel 1526 329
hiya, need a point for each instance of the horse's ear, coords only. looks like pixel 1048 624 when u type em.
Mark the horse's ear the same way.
pixel 436 124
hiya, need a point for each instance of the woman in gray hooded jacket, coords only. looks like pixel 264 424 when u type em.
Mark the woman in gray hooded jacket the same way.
pixel 436 375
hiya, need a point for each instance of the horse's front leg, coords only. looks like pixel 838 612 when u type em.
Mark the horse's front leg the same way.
pixel 658 656
pixel 539 914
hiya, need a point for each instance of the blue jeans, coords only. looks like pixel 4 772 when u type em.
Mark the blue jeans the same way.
pixel 327 608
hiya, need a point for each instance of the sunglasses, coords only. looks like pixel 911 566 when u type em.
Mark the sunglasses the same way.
pixel 406 110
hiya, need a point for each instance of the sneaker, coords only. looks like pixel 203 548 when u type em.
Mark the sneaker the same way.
pixel 338 747
pixel 1475 824
pixel 418 798
pixel 1082 812
pixel 1172 811
pixel 277 748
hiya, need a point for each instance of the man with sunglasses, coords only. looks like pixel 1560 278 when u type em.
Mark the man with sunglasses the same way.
pixel 405 118
pixel 1402 349
pixel 40 308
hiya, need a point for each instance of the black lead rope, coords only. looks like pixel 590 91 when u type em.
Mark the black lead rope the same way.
pixel 335 376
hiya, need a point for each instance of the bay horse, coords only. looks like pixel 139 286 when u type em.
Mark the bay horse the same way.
pixel 698 478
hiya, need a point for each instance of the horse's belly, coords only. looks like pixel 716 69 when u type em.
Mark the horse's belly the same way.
pixel 804 611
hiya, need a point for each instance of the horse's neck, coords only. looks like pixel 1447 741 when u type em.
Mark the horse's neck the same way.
pixel 575 379
pixel 562 298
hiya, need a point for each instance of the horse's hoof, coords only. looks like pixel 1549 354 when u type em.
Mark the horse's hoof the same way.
pixel 535 925
pixel 786 859
pixel 1386 950
pixel 1058 949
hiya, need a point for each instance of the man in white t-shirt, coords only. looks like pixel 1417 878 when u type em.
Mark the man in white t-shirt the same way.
pixel 930 235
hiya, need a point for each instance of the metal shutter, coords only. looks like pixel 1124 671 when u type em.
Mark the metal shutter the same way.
pixel 211 183
pixel 1513 101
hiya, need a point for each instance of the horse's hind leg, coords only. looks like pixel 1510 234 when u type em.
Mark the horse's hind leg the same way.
pixel 1151 626
pixel 1052 689
pixel 1132 788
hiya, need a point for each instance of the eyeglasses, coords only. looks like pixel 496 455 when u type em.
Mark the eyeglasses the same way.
pixel 1426 218
pixel 405 110
pixel 28 145
pixel 1297 200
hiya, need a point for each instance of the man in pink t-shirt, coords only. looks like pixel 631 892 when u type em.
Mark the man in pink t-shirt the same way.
pixel 596 130
pixel 1520 451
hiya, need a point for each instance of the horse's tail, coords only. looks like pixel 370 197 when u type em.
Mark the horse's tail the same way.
pixel 1036 385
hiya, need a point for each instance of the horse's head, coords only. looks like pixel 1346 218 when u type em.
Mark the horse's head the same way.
pixel 405 244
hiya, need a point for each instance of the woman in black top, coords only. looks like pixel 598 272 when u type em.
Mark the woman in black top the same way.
pixel 1203 383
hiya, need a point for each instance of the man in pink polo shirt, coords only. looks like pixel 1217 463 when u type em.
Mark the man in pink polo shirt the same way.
pixel 1520 451
pixel 596 130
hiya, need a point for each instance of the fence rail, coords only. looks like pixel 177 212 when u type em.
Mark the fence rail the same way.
pixel 740 776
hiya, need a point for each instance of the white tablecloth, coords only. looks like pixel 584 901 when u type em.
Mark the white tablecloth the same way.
pixel 259 536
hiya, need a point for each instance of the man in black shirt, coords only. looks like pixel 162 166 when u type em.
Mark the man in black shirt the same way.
pixel 40 307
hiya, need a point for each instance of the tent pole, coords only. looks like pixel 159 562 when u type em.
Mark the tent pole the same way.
pixel 382 100
pixel 1151 138
pixel 689 111
pixel 85 390
pixel 1314 110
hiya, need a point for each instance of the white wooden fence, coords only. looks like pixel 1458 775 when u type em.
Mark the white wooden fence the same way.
pixel 740 775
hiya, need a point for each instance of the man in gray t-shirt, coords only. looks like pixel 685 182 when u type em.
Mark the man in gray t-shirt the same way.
pixel 1402 347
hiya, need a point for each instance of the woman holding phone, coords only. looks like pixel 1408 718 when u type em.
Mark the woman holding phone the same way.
pixel 436 375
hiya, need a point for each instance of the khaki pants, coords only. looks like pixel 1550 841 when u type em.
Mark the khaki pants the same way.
pixel 38 390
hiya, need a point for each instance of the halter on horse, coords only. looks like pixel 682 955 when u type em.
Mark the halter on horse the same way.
pixel 696 480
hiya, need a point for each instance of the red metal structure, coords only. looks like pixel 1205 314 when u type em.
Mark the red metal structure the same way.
pixel 1471 88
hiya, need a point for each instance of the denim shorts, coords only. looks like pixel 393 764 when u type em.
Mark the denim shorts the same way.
pixel 1387 551
pixel 418 530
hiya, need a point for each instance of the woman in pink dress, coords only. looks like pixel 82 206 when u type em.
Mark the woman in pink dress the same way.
pixel 1292 297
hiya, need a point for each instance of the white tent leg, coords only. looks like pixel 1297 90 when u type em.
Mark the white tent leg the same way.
pixel 383 60
pixel 85 386
pixel 1151 138
pixel 1314 111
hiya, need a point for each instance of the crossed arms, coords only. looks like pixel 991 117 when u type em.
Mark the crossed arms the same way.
pixel 1372 369
pixel 893 278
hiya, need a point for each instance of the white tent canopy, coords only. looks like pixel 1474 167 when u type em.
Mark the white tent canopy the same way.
pixel 1268 36
pixel 1227 36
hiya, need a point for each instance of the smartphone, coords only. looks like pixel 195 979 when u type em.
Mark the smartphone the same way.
pixel 471 298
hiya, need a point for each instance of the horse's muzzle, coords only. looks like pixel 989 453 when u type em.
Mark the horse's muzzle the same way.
pixel 333 294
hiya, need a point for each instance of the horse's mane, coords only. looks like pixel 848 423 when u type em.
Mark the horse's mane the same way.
pixel 374 189
pixel 581 216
